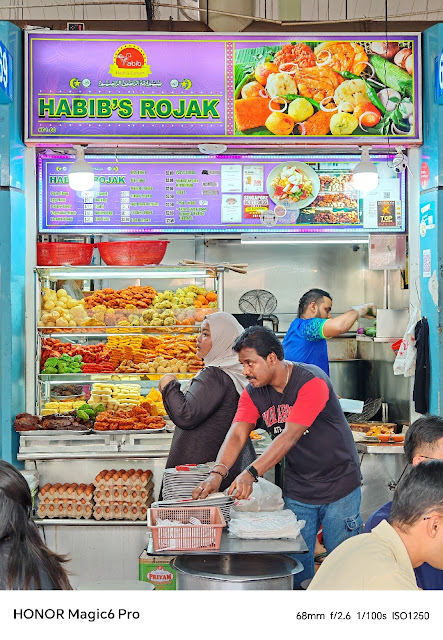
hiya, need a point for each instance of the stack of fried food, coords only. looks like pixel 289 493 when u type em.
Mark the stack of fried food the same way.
pixel 154 354
pixel 135 419
pixel 131 297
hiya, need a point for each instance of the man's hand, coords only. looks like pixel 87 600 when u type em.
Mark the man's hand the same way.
pixel 367 310
pixel 211 485
pixel 164 381
pixel 242 486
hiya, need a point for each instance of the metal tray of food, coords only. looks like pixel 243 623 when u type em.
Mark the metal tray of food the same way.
pixel 159 429
pixel 55 432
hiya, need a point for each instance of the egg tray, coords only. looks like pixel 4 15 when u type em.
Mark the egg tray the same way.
pixel 69 491
pixel 68 500
pixel 126 511
pixel 64 510
pixel 136 480
pixel 126 494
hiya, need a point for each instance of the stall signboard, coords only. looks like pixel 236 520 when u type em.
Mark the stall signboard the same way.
pixel 6 84
pixel 214 194
pixel 261 90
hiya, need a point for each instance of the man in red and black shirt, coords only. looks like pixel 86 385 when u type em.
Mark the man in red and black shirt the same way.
pixel 303 415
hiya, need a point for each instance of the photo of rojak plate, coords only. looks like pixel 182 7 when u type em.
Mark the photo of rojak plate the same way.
pixel 293 184
pixel 333 88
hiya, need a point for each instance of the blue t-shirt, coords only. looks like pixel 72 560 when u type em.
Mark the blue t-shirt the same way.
pixel 427 577
pixel 305 342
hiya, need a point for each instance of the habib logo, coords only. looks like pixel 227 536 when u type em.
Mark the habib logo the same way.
pixel 130 62
pixel 160 576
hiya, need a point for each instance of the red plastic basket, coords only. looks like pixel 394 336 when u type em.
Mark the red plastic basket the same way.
pixel 50 254
pixel 186 535
pixel 133 253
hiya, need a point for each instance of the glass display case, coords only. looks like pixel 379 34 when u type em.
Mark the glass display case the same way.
pixel 124 325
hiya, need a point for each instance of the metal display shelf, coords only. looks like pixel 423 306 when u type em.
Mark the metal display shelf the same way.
pixel 81 378
pixel 62 522
pixel 101 272
pixel 88 331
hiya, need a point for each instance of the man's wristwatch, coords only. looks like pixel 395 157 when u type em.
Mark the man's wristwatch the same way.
pixel 253 471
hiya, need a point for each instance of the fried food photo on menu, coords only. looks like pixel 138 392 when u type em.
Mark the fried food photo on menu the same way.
pixel 331 88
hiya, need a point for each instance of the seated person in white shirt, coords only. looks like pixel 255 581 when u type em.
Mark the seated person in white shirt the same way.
pixel 385 559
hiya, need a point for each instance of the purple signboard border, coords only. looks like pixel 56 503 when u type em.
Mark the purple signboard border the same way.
pixel 233 40
pixel 221 228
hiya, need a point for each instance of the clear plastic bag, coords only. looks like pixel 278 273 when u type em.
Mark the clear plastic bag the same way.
pixel 272 525
pixel 265 496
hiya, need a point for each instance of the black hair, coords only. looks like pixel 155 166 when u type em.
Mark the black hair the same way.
pixel 313 295
pixel 262 339
pixel 424 433
pixel 418 493
pixel 29 557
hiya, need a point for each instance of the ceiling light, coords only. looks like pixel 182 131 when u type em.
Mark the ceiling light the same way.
pixel 365 175
pixel 81 174
pixel 310 238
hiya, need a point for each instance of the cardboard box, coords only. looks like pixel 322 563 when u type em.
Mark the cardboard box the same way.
pixel 158 571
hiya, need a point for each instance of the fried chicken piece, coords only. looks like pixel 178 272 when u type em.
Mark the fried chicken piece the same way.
pixel 317 82
pixel 342 56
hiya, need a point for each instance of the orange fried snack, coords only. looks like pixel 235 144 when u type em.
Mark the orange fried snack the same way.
pixel 300 54
pixel 342 56
pixel 134 420
pixel 251 112
pixel 317 82
pixel 317 125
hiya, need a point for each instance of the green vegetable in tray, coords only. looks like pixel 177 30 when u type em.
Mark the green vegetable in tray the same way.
pixel 77 358
pixel 391 75
pixel 51 362
pixel 50 370
pixel 82 415
pixel 99 408
pixel 371 332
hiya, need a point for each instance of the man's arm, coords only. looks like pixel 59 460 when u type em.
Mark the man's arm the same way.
pixel 242 486
pixel 235 440
pixel 336 326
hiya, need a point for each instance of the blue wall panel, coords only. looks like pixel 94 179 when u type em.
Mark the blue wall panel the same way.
pixel 12 251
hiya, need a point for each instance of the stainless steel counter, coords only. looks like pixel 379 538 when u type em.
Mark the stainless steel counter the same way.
pixel 390 449
pixel 235 546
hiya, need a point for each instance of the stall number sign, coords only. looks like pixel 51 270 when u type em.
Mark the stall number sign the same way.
pixel 5 75
pixel 438 80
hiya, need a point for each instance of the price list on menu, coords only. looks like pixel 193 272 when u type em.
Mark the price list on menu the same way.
pixel 167 194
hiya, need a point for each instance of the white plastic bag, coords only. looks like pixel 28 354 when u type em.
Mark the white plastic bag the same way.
pixel 271 525
pixel 404 363
pixel 265 496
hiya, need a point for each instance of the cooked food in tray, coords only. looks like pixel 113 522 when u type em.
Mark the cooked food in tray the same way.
pixel 335 200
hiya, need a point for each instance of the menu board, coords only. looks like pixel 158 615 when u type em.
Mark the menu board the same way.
pixel 261 89
pixel 208 194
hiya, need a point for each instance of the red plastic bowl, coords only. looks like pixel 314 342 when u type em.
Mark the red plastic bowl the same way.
pixel 50 254
pixel 133 253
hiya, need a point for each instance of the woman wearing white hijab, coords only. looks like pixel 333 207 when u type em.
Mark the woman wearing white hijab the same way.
pixel 204 410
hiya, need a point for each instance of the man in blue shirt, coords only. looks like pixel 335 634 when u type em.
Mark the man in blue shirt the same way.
pixel 423 441
pixel 305 339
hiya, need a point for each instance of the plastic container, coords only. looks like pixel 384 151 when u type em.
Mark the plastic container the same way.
pixel 398 437
pixel 51 254
pixel 133 253
pixel 186 536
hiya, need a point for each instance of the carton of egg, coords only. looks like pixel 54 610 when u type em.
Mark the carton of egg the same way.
pixel 122 511
pixel 123 478
pixel 65 510
pixel 123 495
pixel 70 500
